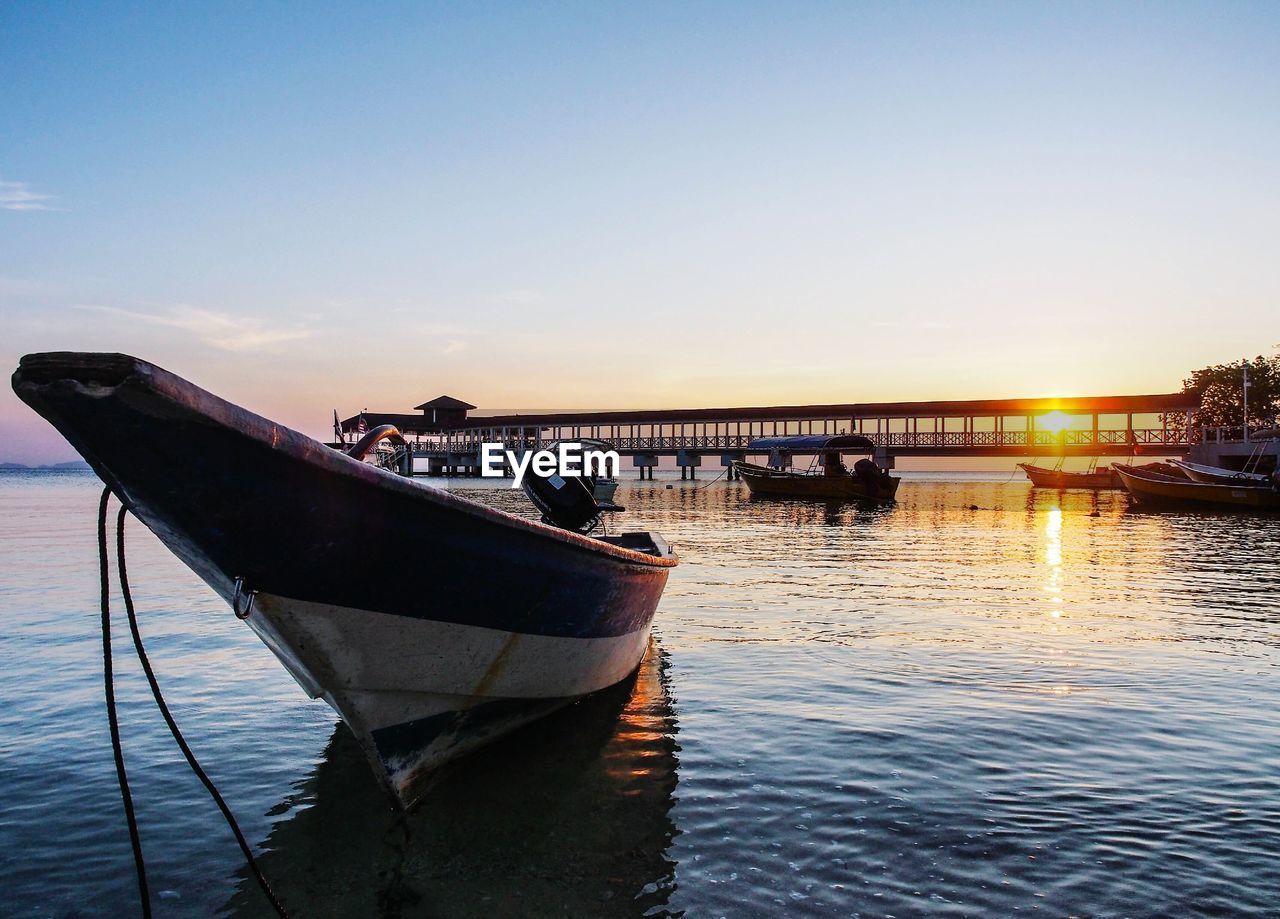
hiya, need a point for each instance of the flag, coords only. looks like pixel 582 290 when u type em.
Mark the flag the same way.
pixel 337 428
pixel 362 426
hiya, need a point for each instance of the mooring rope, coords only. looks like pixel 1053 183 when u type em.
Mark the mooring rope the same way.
pixel 108 675
pixel 181 741
pixel 713 481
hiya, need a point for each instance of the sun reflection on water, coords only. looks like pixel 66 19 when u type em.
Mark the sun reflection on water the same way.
pixel 1053 558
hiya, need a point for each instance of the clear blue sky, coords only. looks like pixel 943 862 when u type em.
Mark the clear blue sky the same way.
pixel 305 206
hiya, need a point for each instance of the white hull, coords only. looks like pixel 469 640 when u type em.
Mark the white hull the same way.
pixel 418 692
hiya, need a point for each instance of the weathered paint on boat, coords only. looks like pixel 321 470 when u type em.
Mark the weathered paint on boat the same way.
pixel 430 623
pixel 1156 489
pixel 1099 479
pixel 770 483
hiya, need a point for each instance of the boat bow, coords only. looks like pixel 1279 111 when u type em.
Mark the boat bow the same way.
pixel 430 622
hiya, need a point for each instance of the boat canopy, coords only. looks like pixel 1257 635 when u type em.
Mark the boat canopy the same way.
pixel 815 443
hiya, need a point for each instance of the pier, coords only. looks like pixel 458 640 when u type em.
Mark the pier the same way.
pixel 448 438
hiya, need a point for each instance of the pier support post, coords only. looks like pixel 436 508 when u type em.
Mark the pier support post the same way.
pixel 688 462
pixel 645 461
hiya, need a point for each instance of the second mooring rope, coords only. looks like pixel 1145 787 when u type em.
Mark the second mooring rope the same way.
pixel 109 688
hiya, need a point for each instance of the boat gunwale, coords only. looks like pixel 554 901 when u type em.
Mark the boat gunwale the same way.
pixel 1148 475
pixel 1243 479
pixel 85 369
pixel 1100 470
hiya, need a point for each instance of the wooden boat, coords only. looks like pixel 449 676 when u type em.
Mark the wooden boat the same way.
pixel 1101 478
pixel 832 482
pixel 1216 475
pixel 432 624
pixel 1163 490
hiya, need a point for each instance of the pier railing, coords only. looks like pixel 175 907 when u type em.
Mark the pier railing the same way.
pixel 1238 434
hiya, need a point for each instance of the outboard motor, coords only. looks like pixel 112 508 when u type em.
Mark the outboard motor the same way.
pixel 869 473
pixel 565 502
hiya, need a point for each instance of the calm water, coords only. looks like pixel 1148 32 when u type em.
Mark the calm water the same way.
pixel 984 700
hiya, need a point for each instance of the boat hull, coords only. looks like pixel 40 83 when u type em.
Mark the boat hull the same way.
pixel 769 483
pixel 430 623
pixel 453 687
pixel 1055 478
pixel 1166 491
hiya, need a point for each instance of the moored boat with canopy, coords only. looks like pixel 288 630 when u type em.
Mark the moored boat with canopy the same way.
pixel 827 477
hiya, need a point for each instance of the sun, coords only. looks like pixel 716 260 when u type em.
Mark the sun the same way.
pixel 1054 422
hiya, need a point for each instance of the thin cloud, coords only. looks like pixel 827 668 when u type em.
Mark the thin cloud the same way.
pixel 521 297
pixel 220 330
pixel 18 196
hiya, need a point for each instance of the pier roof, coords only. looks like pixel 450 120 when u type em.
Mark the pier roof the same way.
pixel 979 408
pixel 444 402
pixel 951 408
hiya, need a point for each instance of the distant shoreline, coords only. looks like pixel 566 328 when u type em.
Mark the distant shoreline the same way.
pixel 72 466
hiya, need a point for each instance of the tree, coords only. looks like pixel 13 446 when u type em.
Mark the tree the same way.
pixel 1220 388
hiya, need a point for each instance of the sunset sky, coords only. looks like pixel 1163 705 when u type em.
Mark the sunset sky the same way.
pixel 306 207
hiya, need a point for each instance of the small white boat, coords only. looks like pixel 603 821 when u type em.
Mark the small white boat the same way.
pixel 1216 475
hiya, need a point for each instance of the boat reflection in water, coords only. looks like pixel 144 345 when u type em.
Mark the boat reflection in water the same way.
pixel 567 816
